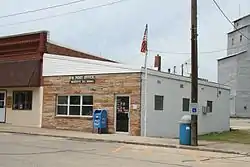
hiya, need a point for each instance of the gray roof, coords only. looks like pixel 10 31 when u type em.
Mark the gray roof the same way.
pixel 241 18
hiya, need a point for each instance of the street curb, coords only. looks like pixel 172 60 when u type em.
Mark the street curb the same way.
pixel 133 143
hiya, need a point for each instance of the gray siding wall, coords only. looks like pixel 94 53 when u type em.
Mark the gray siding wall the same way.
pixel 234 71
pixel 228 72
pixel 235 45
pixel 243 22
pixel 165 123
pixel 243 86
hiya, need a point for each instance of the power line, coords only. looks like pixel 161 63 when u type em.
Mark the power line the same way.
pixel 188 53
pixel 63 14
pixel 85 9
pixel 223 13
pixel 205 52
pixel 41 9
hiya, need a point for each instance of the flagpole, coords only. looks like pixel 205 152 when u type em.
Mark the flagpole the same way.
pixel 146 83
pixel 144 50
pixel 145 93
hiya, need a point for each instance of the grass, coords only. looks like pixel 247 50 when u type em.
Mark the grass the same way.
pixel 233 136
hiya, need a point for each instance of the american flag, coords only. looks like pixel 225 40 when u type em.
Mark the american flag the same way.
pixel 144 45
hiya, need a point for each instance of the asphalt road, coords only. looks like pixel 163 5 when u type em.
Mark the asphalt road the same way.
pixel 37 151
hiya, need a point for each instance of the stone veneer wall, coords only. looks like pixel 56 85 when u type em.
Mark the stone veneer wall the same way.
pixel 103 90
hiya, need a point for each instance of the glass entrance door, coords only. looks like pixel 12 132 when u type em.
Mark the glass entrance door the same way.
pixel 122 113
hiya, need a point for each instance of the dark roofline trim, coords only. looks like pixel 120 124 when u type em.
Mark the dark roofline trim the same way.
pixel 23 34
pixel 52 43
pixel 87 54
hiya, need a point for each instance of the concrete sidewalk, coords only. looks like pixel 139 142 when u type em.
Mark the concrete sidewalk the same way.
pixel 118 138
pixel 239 123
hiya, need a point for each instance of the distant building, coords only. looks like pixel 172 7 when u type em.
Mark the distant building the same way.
pixel 234 70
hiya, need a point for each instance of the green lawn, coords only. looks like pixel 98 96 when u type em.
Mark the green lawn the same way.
pixel 234 136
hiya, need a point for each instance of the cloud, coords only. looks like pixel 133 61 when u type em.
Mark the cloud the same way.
pixel 116 31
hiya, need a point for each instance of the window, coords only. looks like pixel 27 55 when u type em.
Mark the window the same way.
pixel 159 102
pixel 240 38
pixel 210 106
pixel 185 104
pixel 75 105
pixel 22 100
pixel 232 41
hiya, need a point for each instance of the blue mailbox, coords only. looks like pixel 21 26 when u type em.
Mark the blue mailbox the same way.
pixel 100 120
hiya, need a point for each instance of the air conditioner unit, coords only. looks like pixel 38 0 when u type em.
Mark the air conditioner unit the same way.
pixel 204 110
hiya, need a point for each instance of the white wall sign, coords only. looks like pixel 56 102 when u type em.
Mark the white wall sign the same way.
pixel 194 109
pixel 82 79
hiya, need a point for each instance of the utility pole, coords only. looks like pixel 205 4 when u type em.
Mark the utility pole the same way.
pixel 194 61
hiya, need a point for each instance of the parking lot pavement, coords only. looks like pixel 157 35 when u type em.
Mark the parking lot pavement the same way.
pixel 242 124
pixel 38 151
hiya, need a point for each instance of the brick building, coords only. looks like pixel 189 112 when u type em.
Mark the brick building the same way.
pixel 21 69
pixel 104 93
pixel 74 87
pixel 50 86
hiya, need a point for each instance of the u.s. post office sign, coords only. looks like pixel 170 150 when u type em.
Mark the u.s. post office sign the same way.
pixel 84 79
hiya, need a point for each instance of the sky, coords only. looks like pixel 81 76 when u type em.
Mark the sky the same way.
pixel 116 31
